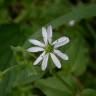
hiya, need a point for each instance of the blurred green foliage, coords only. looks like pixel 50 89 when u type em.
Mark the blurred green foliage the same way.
pixel 23 19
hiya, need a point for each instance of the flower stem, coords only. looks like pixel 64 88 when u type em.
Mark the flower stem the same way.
pixel 11 68
pixel 63 82
pixel 60 79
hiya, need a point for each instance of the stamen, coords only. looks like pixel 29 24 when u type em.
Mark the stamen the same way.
pixel 49 48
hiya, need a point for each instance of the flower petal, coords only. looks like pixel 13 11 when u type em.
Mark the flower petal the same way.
pixel 61 55
pixel 62 39
pixel 55 60
pixel 35 49
pixel 36 42
pixel 39 58
pixel 60 42
pixel 44 33
pixel 45 62
pixel 49 32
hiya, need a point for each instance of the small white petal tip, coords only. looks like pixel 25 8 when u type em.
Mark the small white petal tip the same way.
pixel 71 23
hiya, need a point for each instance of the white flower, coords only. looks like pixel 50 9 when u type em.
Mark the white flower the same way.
pixel 49 48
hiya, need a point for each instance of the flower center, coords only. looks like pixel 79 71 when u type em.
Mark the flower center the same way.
pixel 49 48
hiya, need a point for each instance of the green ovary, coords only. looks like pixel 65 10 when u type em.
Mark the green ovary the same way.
pixel 49 48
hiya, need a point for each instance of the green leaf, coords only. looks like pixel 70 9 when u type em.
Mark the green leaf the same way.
pixel 78 13
pixel 88 92
pixel 52 87
pixel 11 34
pixel 15 72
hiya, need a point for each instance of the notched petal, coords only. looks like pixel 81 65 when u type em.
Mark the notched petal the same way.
pixel 60 42
pixel 49 32
pixel 36 42
pixel 44 33
pixel 61 55
pixel 39 58
pixel 55 60
pixel 45 62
